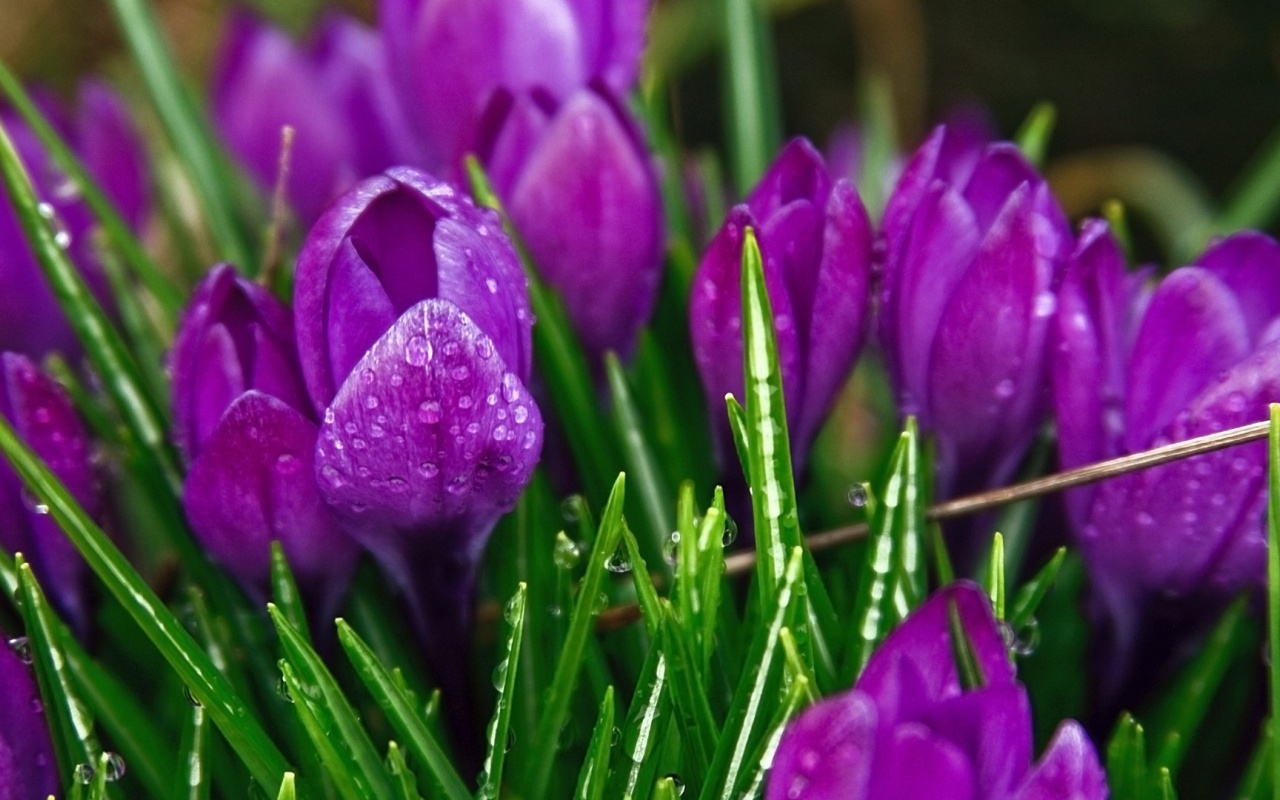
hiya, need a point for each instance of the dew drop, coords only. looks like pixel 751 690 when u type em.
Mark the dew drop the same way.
pixel 465 401
pixel 520 413
pixel 461 372
pixel 569 508
pixel 84 774
pixel 601 603
pixel 492 285
pixel 21 647
pixel 500 674
pixel 509 611
pixel 567 553
pixel 671 548
pixel 371 402
pixel 428 469
pixel 115 767
pixel 417 351
pixel 429 411
pixel 859 495
pixel 191 698
pixel 1004 389
pixel 1045 305
pixel 500 433
pixel 730 531
pixel 510 388
pixel 619 562
pixel 282 690
pixel 61 236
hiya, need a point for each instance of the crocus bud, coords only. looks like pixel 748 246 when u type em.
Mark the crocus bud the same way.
pixel 415 333
pixel 974 243
pixel 1198 355
pixel 27 765
pixel 102 136
pixel 42 416
pixel 909 729
pixel 244 421
pixel 448 56
pixel 815 242
pixel 580 187
pixel 334 91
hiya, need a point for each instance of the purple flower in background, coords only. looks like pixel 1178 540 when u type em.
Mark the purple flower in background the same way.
pixel 27 765
pixel 974 242
pixel 334 91
pixel 448 57
pixel 244 421
pixel 1136 369
pixel 103 137
pixel 415 333
pixel 42 416
pixel 815 241
pixel 908 728
pixel 580 187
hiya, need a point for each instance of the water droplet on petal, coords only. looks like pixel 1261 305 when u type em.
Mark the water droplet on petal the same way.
pixel 417 351
pixel 429 412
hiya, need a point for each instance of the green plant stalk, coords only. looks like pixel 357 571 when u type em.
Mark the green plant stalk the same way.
pixel 595 768
pixel 752 112
pixel 495 755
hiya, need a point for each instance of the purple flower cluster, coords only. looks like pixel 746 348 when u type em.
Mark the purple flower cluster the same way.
pixel 909 729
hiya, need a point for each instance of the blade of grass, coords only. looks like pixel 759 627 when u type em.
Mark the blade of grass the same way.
pixel 402 714
pixel 402 778
pixel 995 575
pixel 688 692
pixel 335 762
pixel 193 781
pixel 284 591
pixel 646 725
pixel 188 132
pixel 509 667
pixel 1127 760
pixel 595 767
pixel 646 592
pixel 750 91
pixel 1030 595
pixel 287 789
pixel 798 695
pixel 1273 577
pixel 537 770
pixel 1033 136
pixel 1255 198
pixel 1255 784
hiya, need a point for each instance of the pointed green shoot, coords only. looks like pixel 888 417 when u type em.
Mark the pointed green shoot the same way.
pixel 595 767
pixel 508 668
pixel 284 591
pixel 1033 137
pixel 995 575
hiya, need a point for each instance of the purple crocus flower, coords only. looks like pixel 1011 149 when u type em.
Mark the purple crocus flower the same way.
pixel 102 136
pixel 580 187
pixel 973 247
pixel 1136 369
pixel 815 241
pixel 415 333
pixel 27 766
pixel 909 729
pixel 334 91
pixel 42 416
pixel 448 56
pixel 245 423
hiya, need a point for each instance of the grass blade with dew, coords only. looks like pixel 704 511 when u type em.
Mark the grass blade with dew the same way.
pixel 1033 591
pixel 647 721
pixel 536 770
pixel 402 714
pixel 595 767
pixel 314 690
pixel 688 693
pixel 403 780
pixel 193 780
pixel 646 593
pixel 188 132
pixel 504 678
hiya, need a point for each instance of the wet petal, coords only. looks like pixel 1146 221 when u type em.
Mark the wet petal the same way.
pixel 1249 264
pixel 1069 768
pixel 828 752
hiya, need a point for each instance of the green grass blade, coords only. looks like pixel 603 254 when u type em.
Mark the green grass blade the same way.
pixel 595 767
pixel 188 131
pixel 326 702
pixel 1033 137
pixel 1127 761
pixel 402 778
pixel 193 780
pixel 120 375
pixel 70 724
pixel 962 650
pixel 798 695
pixel 560 360
pixel 1030 595
pixel 284 591
pixel 402 714
pixel 646 592
pixel 508 668
pixel 666 789
pixel 995 575
pixel 335 761
pixel 541 756
pixel 688 692
pixel 647 722
pixel 1255 198
pixel 759 692
pixel 1273 577
pixel 1255 784
pixel 647 481
pixel 287 788
pixel 750 91
pixel 146 341
pixel 699 594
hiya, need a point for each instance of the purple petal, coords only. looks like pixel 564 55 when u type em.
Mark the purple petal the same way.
pixel 30 320
pixel 798 173
pixel 986 368
pixel 1192 331
pixel 109 146
pixel 1069 768
pixel 1089 359
pixel 915 667
pixel 589 207
pixel 430 432
pixel 993 726
pixel 1249 264
pixel 27 765
pixel 838 308
pixel 613 37
pixel 254 482
pixel 916 179
pixel 827 753
pixel 509 132
pixel 943 239
pixel 919 764
pixel 1001 169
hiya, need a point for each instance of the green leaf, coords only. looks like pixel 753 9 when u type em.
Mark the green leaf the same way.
pixel 995 575
pixel 315 691
pixel 666 789
pixel 1127 760
pixel 402 779
pixel 336 762
pixel 560 359
pixel 284 591
pixel 193 779
pixel 74 739
pixel 941 558
pixel 506 671
pixel 1255 198
pixel 541 756
pixel 759 692
pixel 647 722
pixel 1033 137
pixel 595 767
pixel 642 465
pixel 1256 782
pixel 1273 576
pixel 688 692
pixel 1030 595
pixel 966 658
pixel 751 92
pixel 188 132
pixel 646 592
pixel 880 142
pixel 287 791
pixel 401 713
pixel 800 693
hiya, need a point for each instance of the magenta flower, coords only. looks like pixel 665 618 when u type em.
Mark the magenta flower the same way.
pixel 1136 369
pixel 974 242
pixel 415 334
pixel 101 134
pixel 245 423
pixel 42 415
pixel 334 90
pixel 908 728
pixel 27 765
pixel 580 187
pixel 449 56
pixel 815 240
